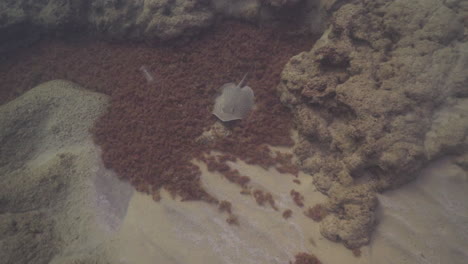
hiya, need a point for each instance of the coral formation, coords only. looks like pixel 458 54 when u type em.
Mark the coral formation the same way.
pixel 364 98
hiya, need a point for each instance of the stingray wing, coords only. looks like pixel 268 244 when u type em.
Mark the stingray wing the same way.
pixel 234 102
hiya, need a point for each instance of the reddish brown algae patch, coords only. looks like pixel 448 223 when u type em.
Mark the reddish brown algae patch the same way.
pixel 148 134
pixel 305 258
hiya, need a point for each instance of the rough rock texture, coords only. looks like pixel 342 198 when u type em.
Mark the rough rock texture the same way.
pixel 449 129
pixel 49 13
pixel 282 2
pixel 46 160
pixel 364 99
pixel 143 19
pixel 139 19
pixel 24 21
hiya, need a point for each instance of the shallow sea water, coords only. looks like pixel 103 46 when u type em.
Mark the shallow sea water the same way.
pixel 110 152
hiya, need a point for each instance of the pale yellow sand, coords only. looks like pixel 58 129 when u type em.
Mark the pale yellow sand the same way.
pixel 196 232
pixel 416 224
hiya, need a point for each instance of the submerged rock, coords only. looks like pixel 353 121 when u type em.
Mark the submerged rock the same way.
pixel 55 193
pixel 365 96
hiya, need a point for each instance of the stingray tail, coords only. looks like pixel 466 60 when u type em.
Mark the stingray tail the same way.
pixel 243 78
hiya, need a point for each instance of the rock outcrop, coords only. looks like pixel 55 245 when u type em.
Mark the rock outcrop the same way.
pixel 48 167
pixel 365 100
pixel 24 21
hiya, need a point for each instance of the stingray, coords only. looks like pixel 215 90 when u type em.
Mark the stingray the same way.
pixel 234 102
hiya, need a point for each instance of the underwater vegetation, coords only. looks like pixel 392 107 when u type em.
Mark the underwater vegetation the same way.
pixel 149 134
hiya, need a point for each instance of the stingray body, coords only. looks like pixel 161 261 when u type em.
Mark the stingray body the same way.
pixel 234 102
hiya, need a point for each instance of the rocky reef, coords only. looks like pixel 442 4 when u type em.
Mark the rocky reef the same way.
pixel 367 99
pixel 24 21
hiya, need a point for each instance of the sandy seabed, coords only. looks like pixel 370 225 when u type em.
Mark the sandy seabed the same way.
pixel 64 202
